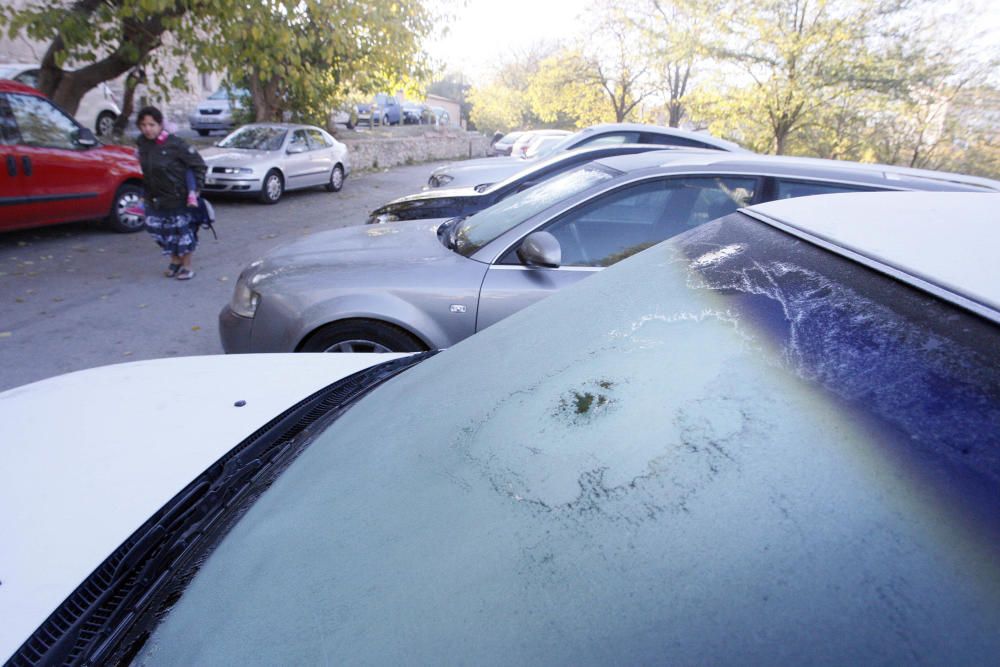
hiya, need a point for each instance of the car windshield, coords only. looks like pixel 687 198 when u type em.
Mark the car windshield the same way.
pixel 256 138
pixel 227 94
pixel 713 453
pixel 543 146
pixel 480 228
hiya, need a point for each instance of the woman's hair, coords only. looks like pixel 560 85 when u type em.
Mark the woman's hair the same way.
pixel 152 112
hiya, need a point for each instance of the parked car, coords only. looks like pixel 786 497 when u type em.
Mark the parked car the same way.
pixel 56 169
pixel 451 202
pixel 217 112
pixel 346 116
pixel 383 109
pixel 491 170
pixel 97 111
pixel 413 112
pixel 506 143
pixel 543 145
pixel 425 284
pixel 267 159
pixel 438 116
pixel 520 147
pixel 771 440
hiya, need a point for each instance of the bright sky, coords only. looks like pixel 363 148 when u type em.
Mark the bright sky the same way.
pixel 485 33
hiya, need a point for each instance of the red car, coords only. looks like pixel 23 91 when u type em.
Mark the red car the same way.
pixel 54 170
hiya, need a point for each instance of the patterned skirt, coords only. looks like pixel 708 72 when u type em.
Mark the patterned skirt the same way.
pixel 172 231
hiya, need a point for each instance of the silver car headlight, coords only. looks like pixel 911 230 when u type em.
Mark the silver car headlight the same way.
pixel 245 299
pixel 234 170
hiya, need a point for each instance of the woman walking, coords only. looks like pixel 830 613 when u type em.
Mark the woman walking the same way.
pixel 173 173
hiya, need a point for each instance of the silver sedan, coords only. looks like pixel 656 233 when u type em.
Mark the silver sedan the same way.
pixel 425 284
pixel 267 159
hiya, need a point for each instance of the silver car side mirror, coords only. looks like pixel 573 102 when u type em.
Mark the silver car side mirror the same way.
pixel 85 138
pixel 540 249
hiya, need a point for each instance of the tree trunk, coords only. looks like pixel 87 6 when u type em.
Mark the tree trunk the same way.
pixel 132 81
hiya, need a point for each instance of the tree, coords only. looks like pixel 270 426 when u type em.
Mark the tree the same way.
pixel 306 56
pixel 301 55
pixel 795 58
pixel 503 103
pixel 672 33
pixel 110 38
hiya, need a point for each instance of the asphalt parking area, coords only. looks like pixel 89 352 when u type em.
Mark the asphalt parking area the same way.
pixel 76 296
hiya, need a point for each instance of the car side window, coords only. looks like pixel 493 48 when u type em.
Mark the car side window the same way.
pixel 784 189
pixel 317 140
pixel 611 138
pixel 8 130
pixel 28 78
pixel 42 123
pixel 299 139
pixel 671 140
pixel 634 218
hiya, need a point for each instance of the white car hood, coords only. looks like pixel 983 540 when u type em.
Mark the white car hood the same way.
pixel 90 456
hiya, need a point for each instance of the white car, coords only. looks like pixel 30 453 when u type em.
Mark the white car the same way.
pixel 770 440
pixel 216 112
pixel 98 110
pixel 266 159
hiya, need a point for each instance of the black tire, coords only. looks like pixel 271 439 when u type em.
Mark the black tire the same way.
pixel 202 133
pixel 361 336
pixel 118 219
pixel 336 181
pixel 272 188
pixel 105 124
pixel 385 120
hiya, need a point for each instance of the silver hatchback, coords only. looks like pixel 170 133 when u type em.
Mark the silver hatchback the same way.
pixel 428 284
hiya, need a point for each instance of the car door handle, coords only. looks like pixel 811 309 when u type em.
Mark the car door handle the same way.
pixel 26 165
pixel 11 166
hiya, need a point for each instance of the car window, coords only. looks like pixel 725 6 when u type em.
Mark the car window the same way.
pixel 8 129
pixel 28 78
pixel 317 140
pixel 632 219
pixel 41 123
pixel 611 138
pixel 786 189
pixel 299 139
pixel 480 228
pixel 255 137
pixel 672 140
pixel 700 457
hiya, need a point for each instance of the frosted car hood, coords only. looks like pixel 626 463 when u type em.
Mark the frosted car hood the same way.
pixel 89 456
pixel 411 241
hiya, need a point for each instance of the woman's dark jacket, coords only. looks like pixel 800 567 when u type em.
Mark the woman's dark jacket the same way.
pixel 163 171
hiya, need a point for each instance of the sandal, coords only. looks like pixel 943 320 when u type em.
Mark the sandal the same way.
pixel 185 274
pixel 172 270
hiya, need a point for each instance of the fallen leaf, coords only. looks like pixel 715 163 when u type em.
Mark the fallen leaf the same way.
pixel 224 279
pixel 127 354
pixel 143 305
pixel 5 334
pixel 196 328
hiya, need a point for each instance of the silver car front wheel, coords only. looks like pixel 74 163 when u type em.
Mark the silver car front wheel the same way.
pixel 361 336
pixel 336 179
pixel 273 187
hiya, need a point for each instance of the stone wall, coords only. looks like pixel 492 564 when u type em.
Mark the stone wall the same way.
pixel 429 145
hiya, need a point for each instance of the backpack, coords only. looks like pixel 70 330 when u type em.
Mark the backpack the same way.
pixel 203 216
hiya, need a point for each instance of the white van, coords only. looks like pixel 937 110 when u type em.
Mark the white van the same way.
pixel 97 111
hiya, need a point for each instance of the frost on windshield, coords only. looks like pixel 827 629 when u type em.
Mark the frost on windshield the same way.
pixel 871 342
pixel 713 435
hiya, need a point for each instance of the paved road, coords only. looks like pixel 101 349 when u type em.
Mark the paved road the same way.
pixel 76 296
